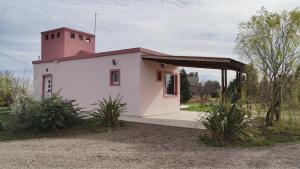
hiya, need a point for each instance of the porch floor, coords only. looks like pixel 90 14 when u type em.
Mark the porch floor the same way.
pixel 187 119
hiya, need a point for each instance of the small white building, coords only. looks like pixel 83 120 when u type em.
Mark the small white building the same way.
pixel 147 80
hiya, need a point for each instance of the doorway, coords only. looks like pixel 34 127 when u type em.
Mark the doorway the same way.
pixel 47 86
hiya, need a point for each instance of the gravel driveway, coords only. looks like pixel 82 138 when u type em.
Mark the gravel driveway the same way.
pixel 141 146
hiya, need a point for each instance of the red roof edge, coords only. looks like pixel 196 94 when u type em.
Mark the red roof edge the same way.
pixel 100 54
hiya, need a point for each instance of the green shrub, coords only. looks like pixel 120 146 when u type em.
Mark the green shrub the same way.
pixel 226 123
pixel 108 111
pixel 51 114
pixel 2 125
pixel 185 87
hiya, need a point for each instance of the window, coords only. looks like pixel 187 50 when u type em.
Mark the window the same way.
pixel 46 37
pixel 52 36
pixel 80 37
pixel 159 75
pixel 58 34
pixel 88 39
pixel 170 84
pixel 72 35
pixel 115 77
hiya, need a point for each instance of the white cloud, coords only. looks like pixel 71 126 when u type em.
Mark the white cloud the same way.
pixel 183 27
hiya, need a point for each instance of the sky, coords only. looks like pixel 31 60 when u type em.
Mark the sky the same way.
pixel 180 27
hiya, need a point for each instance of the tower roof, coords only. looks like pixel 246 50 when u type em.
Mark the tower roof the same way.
pixel 67 29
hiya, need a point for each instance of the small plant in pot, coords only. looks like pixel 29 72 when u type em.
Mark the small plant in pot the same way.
pixel 109 110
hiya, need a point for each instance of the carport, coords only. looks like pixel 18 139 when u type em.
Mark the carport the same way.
pixel 223 64
pixel 189 119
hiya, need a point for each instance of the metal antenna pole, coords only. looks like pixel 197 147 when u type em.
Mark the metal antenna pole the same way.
pixel 95 23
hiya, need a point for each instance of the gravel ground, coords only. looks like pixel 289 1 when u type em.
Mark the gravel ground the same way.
pixel 141 146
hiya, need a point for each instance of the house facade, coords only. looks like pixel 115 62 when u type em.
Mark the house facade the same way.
pixel 70 65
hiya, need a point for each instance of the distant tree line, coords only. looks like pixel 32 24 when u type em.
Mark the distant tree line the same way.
pixel 209 88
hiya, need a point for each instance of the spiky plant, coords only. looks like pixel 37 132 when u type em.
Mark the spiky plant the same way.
pixel 226 122
pixel 109 110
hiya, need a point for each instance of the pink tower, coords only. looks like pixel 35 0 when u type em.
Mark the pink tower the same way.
pixel 65 42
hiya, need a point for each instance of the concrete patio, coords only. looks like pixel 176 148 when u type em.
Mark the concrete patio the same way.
pixel 187 119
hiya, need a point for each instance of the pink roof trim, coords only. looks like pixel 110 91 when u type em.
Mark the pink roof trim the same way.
pixel 101 54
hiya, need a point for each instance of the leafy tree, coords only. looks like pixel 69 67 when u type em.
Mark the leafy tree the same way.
pixel 297 77
pixel 232 91
pixel 263 92
pixel 212 88
pixel 291 93
pixel 271 42
pixel 6 88
pixel 250 84
pixel 185 87
pixel 23 95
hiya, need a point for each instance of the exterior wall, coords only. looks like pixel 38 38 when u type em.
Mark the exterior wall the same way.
pixel 87 80
pixel 73 46
pixel 52 48
pixel 153 100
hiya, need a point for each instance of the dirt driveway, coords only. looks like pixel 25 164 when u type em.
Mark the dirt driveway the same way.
pixel 141 146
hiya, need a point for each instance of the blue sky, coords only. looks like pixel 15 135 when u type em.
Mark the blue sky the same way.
pixel 182 27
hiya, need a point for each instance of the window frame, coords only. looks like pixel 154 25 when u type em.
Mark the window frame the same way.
pixel 175 84
pixel 46 37
pixel 111 83
pixel 57 34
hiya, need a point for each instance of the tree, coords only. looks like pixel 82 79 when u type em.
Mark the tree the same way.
pixel 291 94
pixel 232 91
pixel 271 42
pixel 263 92
pixel 6 88
pixel 250 84
pixel 185 87
pixel 297 77
pixel 211 88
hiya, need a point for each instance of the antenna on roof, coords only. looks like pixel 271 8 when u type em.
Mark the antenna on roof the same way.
pixel 95 23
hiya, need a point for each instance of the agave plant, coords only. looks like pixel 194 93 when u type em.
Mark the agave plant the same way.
pixel 109 110
pixel 227 122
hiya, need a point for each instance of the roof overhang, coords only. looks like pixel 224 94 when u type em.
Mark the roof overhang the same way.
pixel 197 62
